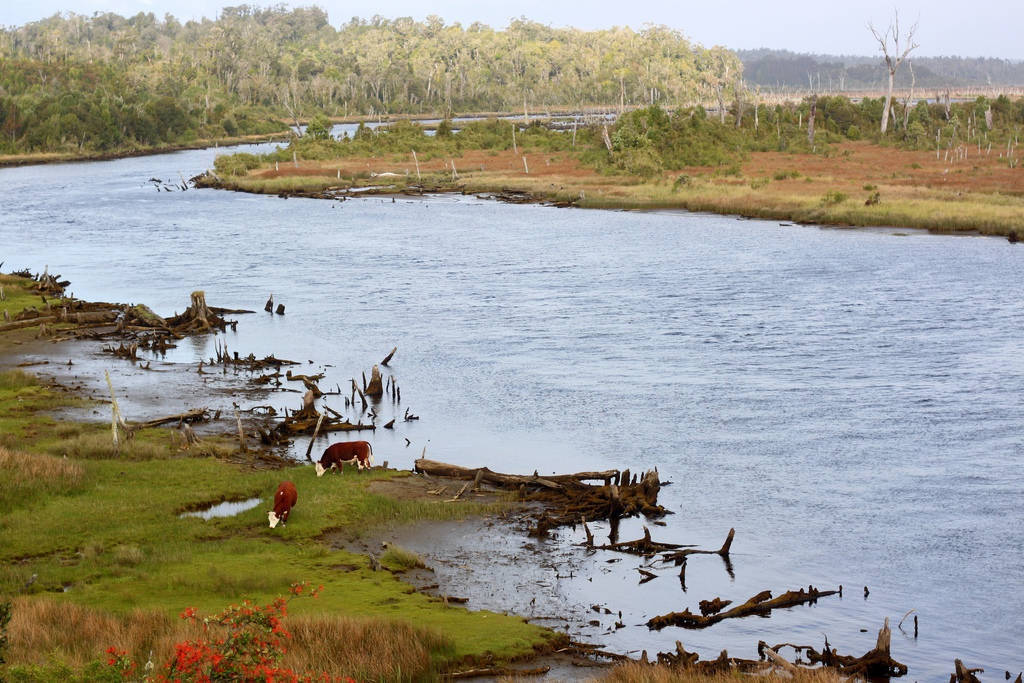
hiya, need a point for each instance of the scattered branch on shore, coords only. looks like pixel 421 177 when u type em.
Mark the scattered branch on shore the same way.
pixel 680 557
pixel 644 546
pixel 724 664
pixel 761 604
pixel 876 663
pixel 495 671
pixel 187 418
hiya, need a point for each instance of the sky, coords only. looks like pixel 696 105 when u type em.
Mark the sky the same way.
pixel 988 29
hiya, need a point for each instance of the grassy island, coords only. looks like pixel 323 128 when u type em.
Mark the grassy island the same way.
pixel 651 159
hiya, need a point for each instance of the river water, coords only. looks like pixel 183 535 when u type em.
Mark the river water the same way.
pixel 849 400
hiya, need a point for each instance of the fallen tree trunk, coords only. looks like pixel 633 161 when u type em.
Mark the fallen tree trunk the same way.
pixel 441 469
pixel 876 663
pixel 32 322
pixel 574 499
pixel 761 604
pixel 188 417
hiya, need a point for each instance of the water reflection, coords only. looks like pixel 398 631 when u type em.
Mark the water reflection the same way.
pixel 226 509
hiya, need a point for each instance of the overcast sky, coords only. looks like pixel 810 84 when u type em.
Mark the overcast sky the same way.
pixel 974 29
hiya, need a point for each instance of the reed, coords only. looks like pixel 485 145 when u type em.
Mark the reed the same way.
pixel 634 672
pixel 24 477
pixel 401 558
pixel 373 649
pixel 17 379
pixel 45 632
pixel 99 446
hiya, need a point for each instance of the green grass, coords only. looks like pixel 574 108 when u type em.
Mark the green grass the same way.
pixel 110 531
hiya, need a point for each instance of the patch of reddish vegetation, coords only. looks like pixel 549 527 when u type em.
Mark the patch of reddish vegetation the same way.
pixel 859 163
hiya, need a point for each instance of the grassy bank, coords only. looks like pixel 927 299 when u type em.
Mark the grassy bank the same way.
pixel 38 158
pixel 855 184
pixel 95 552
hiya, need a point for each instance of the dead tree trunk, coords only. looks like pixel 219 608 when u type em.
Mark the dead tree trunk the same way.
pixel 810 119
pixel 376 386
pixel 893 61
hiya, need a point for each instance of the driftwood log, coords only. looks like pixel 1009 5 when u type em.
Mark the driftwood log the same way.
pixel 761 604
pixel 574 499
pixel 188 417
pixel 876 663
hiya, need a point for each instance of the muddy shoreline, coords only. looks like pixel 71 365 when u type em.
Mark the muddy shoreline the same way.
pixel 466 558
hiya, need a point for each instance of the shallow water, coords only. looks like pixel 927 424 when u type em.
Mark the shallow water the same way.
pixel 849 400
pixel 225 509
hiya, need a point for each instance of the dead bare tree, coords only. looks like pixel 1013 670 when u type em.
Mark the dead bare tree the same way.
pixel 891 60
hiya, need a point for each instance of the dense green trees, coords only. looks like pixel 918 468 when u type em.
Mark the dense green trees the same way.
pixel 76 83
pixel 251 62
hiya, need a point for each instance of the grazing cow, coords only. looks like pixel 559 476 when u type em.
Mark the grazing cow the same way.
pixel 284 500
pixel 336 455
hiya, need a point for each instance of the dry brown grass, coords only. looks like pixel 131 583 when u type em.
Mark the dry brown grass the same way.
pixel 635 672
pixel 917 190
pixel 19 467
pixel 40 628
pixel 364 649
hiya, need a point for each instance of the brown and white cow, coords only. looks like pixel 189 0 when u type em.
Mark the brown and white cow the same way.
pixel 358 452
pixel 284 500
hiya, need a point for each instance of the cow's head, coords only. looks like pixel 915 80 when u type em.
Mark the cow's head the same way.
pixel 274 519
pixel 320 470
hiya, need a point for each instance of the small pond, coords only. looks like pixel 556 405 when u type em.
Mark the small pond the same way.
pixel 226 509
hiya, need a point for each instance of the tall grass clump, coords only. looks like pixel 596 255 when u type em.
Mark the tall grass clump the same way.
pixel 373 649
pixel 25 476
pixel 401 558
pixel 100 446
pixel 17 379
pixel 77 635
pixel 635 672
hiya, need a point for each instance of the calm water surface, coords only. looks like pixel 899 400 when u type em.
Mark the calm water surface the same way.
pixel 849 400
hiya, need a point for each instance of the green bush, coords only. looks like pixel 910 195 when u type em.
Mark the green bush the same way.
pixel 834 197
pixel 236 164
pixel 853 133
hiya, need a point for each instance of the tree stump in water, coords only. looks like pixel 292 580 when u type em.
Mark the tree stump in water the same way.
pixel 376 386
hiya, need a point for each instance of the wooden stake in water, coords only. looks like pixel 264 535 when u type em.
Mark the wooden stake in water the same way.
pixel 309 449
pixel 115 416
pixel 241 434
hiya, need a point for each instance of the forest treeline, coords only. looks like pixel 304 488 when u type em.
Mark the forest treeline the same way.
pixel 832 73
pixel 76 82
pixel 87 84
pixel 648 141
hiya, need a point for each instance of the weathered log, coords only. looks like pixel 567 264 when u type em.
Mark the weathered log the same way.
pixel 191 416
pixel 643 546
pixel 713 606
pixel 762 604
pixel 678 659
pixel 302 426
pixel 496 672
pixel 723 551
pixel 440 469
pixel 17 325
pixel 387 359
pixel 962 674
pixel 308 410
pixel 876 663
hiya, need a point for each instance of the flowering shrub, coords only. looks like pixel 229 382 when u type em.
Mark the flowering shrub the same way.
pixel 250 653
